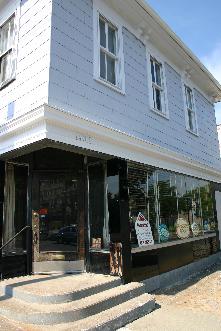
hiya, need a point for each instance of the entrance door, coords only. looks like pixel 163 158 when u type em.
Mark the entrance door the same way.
pixel 56 224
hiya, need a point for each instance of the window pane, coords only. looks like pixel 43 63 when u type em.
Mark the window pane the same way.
pixel 7 36
pixel 152 71
pixel 102 33
pixel 111 40
pixel 4 37
pixel 113 202
pixel 153 97
pixel 7 67
pixel 111 70
pixel 97 214
pixel 209 223
pixel 58 214
pixel 141 182
pixel 158 100
pixel 102 65
pixel 158 74
pixel 189 98
pixel 12 32
pixel 167 201
pixel 191 120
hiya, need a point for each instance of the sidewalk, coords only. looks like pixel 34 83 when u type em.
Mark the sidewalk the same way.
pixel 192 306
pixel 170 318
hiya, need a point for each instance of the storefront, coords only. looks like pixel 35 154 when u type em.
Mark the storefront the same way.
pixel 180 217
pixel 102 214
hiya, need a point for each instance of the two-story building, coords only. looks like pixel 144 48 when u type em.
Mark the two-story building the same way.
pixel 108 141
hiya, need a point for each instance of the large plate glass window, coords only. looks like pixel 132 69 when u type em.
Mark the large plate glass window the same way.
pixel 7 51
pixel 173 206
pixel 108 50
pixel 191 124
pixel 142 199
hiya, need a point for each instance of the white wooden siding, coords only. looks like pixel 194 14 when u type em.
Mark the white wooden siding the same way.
pixel 73 88
pixel 30 89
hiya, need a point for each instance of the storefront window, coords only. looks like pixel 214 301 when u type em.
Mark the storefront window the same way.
pixel 99 230
pixel 167 201
pixel 165 206
pixel 142 200
pixel 113 203
pixel 207 207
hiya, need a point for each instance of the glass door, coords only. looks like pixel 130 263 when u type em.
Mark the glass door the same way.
pixel 56 227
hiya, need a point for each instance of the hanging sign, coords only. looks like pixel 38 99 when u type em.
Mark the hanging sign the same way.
pixel 182 228
pixel 143 231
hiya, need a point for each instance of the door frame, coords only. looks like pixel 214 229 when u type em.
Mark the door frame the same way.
pixel 53 266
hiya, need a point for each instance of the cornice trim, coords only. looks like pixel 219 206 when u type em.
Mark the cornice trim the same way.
pixel 66 127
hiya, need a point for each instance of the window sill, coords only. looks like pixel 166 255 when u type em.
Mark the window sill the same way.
pixel 6 83
pixel 106 83
pixel 171 243
pixel 196 134
pixel 166 116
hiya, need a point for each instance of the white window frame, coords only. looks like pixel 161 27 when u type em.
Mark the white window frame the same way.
pixel 188 85
pixel 164 101
pixel 106 51
pixel 100 10
pixel 11 50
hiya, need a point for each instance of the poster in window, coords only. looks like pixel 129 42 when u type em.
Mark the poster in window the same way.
pixel 143 231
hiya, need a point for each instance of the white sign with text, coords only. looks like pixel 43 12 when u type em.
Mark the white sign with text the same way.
pixel 143 231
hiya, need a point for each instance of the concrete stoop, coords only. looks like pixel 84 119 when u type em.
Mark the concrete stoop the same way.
pixel 74 302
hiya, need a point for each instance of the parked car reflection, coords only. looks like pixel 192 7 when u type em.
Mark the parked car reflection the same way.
pixel 67 235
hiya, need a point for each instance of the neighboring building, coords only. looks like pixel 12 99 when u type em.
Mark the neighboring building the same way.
pixel 107 127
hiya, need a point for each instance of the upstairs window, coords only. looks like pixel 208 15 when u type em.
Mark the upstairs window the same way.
pixel 108 50
pixel 158 101
pixel 7 47
pixel 191 123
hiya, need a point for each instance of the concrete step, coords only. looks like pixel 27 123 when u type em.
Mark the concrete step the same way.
pixel 113 318
pixel 57 289
pixel 44 314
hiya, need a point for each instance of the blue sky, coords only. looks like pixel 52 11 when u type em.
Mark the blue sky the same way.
pixel 198 24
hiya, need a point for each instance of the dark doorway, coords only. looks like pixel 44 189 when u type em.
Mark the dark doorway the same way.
pixel 57 195
pixel 14 255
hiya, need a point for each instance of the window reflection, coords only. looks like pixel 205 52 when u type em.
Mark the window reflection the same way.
pixel 176 206
pixel 58 214
pixel 99 232
pixel 113 203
